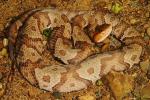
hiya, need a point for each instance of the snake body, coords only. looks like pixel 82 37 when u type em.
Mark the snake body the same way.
pixel 82 63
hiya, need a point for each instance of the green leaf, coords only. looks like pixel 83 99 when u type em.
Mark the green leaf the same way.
pixel 116 8
pixel 99 82
pixel 47 32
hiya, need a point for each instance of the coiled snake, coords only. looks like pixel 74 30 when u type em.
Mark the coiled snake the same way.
pixel 81 63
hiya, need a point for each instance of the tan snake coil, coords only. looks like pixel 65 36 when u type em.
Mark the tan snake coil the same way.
pixel 83 64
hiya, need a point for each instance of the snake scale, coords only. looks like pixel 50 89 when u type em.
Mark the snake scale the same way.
pixel 80 63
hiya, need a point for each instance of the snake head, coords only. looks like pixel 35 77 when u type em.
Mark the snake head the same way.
pixel 103 32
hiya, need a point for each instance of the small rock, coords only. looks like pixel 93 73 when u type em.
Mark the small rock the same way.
pixel 145 65
pixel 148 31
pixel 3 52
pixel 120 84
pixel 145 92
pixel 109 6
pixel 2 92
pixel 142 34
pixel 146 26
pixel 5 42
pixel 133 21
pixel 1 85
pixel 86 97
pixel 147 14
pixel 1 75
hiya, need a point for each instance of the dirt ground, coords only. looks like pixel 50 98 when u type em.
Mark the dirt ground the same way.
pixel 135 13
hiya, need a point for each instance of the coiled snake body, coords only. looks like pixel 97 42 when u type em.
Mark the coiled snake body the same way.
pixel 82 62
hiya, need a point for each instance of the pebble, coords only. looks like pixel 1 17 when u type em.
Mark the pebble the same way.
pixel 145 92
pixel 147 14
pixel 5 42
pixel 1 85
pixel 2 91
pixel 148 31
pixel 133 21
pixel 142 34
pixel 146 26
pixel 1 75
pixel 145 65
pixel 86 97
pixel 3 52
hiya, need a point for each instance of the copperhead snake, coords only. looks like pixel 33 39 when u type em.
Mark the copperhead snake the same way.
pixel 82 64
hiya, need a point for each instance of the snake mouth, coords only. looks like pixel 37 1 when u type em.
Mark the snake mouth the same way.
pixel 41 36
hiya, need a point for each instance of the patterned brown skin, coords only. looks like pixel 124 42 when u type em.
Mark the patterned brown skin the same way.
pixel 13 31
pixel 57 33
pixel 35 60
pixel 86 51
